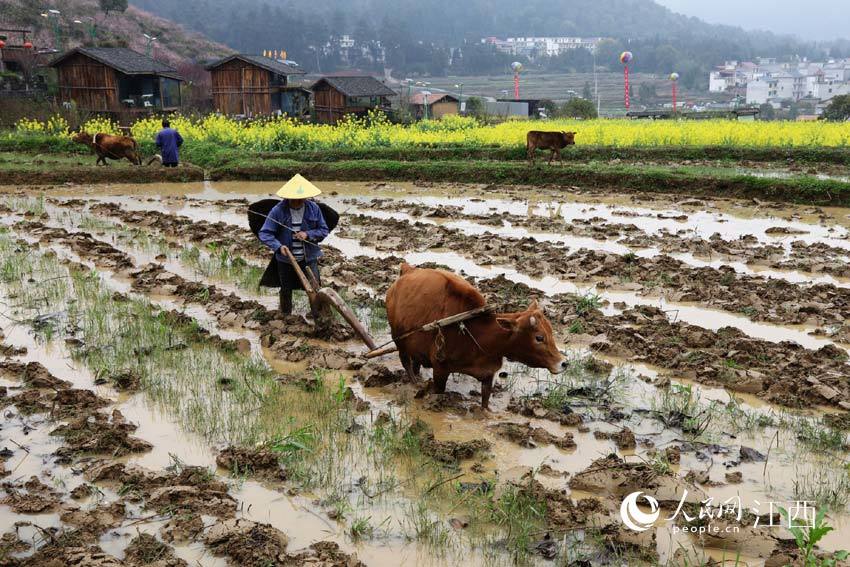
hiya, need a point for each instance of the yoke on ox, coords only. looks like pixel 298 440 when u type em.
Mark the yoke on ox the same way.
pixel 421 299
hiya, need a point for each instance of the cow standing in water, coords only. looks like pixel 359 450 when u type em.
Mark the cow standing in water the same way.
pixel 478 347
pixel 110 146
pixel 555 141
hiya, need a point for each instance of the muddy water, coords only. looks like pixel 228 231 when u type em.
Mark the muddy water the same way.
pixel 289 514
pixel 690 313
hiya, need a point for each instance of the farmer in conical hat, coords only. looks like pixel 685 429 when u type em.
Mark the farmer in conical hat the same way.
pixel 297 223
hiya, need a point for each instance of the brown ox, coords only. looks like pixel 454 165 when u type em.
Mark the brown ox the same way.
pixel 554 141
pixel 479 348
pixel 109 146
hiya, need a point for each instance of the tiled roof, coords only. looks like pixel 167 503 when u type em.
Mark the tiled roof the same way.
pixel 357 86
pixel 419 98
pixel 124 60
pixel 267 63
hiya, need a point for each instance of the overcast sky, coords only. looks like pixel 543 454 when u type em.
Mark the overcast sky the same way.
pixel 809 19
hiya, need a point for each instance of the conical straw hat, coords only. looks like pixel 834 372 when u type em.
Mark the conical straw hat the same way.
pixel 298 188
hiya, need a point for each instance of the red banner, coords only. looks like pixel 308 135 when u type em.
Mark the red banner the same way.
pixel 626 80
pixel 516 86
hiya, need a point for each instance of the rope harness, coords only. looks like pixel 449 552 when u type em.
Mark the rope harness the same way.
pixel 438 325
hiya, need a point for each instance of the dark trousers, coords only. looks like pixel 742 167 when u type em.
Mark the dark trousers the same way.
pixel 170 164
pixel 289 281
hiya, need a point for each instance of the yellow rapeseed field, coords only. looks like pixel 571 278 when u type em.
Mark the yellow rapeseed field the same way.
pixel 281 134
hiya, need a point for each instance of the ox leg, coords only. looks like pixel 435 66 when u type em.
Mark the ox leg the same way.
pixel 552 156
pixel 410 367
pixel 530 152
pixel 486 390
pixel 441 378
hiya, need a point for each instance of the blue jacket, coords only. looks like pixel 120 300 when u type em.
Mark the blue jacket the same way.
pixel 168 140
pixel 273 235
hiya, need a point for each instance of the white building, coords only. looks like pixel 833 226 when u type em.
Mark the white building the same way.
pixel 774 83
pixel 533 47
pixel 762 90
pixel 827 89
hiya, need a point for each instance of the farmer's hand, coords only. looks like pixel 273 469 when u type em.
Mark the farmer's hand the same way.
pixel 301 235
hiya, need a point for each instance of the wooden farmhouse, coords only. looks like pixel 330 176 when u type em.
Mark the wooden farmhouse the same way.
pixel 252 85
pixel 439 105
pixel 335 97
pixel 116 79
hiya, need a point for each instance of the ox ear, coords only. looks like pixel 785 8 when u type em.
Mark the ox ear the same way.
pixel 507 323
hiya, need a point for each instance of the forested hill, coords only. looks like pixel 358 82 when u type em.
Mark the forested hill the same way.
pixel 121 26
pixel 420 35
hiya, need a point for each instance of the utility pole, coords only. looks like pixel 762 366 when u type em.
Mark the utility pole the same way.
pixel 596 83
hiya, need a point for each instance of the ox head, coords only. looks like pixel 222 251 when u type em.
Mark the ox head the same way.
pixel 82 137
pixel 531 340
pixel 569 138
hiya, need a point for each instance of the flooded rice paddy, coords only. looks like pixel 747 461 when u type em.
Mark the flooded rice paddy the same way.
pixel 157 407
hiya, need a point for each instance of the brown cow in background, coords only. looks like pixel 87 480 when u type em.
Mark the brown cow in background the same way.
pixel 478 348
pixel 110 146
pixel 554 141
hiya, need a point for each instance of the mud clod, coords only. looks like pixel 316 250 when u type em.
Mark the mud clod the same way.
pixel 257 462
pixel 525 435
pixel 248 543
pixel 146 550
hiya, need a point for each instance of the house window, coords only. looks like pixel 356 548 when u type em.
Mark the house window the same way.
pixel 170 93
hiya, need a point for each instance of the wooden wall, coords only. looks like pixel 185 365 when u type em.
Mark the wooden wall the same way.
pixel 241 88
pixel 328 104
pixel 91 85
pixel 442 108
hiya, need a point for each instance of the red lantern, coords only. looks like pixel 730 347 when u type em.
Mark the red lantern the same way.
pixel 27 45
pixel 2 44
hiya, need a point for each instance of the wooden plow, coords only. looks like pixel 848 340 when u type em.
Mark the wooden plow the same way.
pixel 322 300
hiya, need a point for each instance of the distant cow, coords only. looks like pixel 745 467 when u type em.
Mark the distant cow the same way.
pixel 554 141
pixel 479 347
pixel 112 147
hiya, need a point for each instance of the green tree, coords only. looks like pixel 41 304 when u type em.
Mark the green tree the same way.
pixel 767 112
pixel 107 6
pixel 550 106
pixel 474 106
pixel 579 108
pixel 838 109
pixel 646 92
